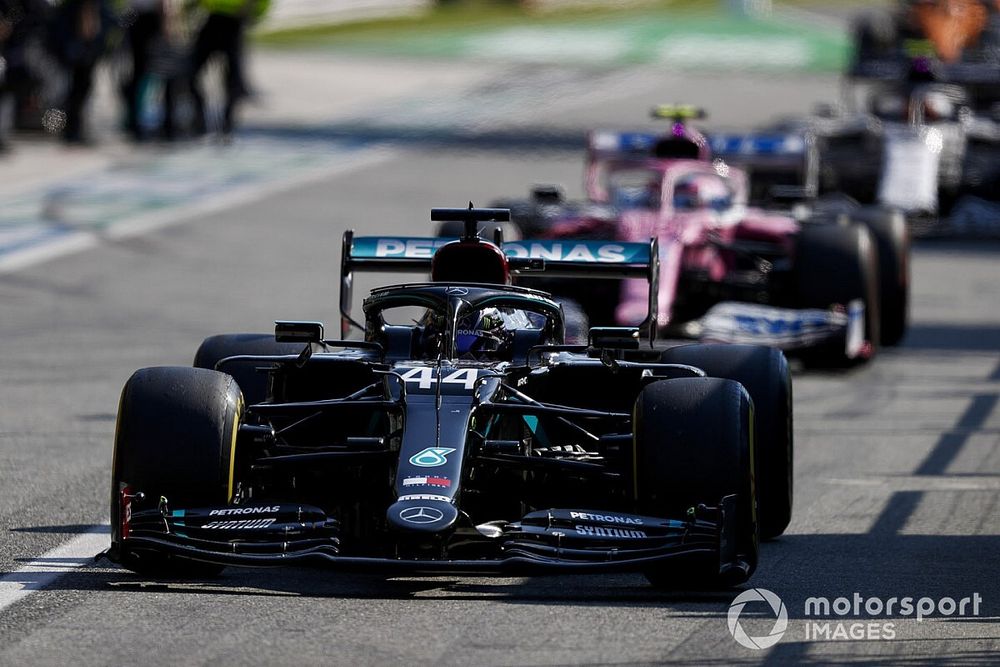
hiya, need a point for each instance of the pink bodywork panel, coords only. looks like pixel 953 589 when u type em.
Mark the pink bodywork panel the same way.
pixel 683 235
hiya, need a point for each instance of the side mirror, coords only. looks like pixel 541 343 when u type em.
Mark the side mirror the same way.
pixel 298 332
pixel 995 112
pixel 547 194
pixel 826 110
pixel 615 338
pixel 790 194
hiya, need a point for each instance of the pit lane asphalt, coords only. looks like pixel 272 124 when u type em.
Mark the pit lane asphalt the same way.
pixel 897 464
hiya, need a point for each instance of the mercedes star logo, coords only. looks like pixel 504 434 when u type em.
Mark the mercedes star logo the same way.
pixel 421 514
pixel 459 291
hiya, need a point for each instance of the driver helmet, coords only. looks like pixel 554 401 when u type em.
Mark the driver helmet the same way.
pixel 636 196
pixel 687 195
pixel 482 334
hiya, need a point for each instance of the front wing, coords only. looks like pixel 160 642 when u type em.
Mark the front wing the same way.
pixel 785 328
pixel 556 541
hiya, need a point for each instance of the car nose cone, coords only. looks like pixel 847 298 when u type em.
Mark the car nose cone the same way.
pixel 422 515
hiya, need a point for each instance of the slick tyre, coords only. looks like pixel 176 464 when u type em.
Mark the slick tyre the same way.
pixel 836 264
pixel 252 382
pixel 693 445
pixel 763 372
pixel 526 219
pixel 892 240
pixel 175 440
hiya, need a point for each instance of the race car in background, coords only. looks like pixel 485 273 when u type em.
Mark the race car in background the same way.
pixel 918 125
pixel 461 435
pixel 783 171
pixel 731 272
pixel 925 146
pixel 950 31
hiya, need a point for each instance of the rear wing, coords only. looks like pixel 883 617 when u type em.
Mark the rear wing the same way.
pixel 923 68
pixel 604 145
pixel 555 258
pixel 780 165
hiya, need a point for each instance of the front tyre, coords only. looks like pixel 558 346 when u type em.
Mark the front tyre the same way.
pixel 693 445
pixel 764 373
pixel 835 265
pixel 175 440
pixel 892 241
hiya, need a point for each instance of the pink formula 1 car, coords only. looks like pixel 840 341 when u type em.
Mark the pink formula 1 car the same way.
pixel 730 272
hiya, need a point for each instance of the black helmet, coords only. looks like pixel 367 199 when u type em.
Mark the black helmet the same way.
pixel 483 335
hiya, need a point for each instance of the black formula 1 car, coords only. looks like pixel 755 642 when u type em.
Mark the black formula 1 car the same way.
pixel 460 435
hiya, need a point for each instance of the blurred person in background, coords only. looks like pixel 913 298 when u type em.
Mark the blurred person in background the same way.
pixel 224 31
pixel 22 43
pixel 155 52
pixel 7 22
pixel 77 38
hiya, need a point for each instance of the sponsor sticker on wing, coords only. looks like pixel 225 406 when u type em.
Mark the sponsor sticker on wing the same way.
pixel 757 144
pixel 580 251
pixel 431 457
pixel 442 482
pixel 731 322
pixel 240 524
pixel 383 247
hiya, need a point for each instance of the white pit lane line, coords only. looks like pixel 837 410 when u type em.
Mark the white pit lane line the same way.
pixel 43 570
pixel 143 223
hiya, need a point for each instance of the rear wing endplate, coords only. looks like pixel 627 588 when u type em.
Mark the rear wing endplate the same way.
pixel 898 69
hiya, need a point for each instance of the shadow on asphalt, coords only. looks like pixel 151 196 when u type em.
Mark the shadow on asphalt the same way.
pixel 68 529
pixel 956 245
pixel 797 653
pixel 959 337
pixel 880 563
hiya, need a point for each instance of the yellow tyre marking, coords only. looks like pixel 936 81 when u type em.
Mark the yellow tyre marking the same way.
pixel 232 448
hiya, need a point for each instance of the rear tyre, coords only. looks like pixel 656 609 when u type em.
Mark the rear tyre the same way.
pixel 763 372
pixel 892 240
pixel 175 439
pixel 836 264
pixel 693 446
pixel 252 383
pixel 526 219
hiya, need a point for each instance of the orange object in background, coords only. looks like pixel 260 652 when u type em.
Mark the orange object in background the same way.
pixel 951 25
